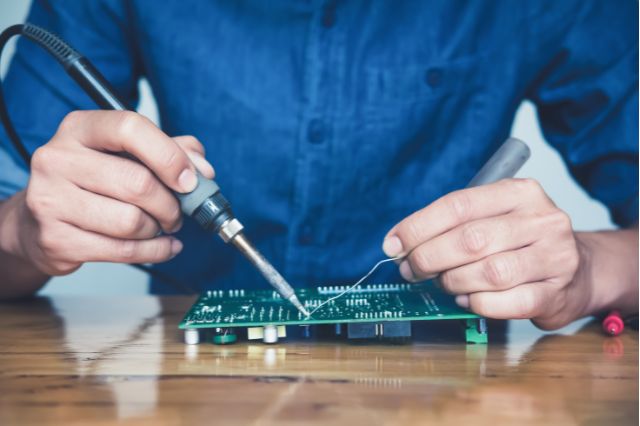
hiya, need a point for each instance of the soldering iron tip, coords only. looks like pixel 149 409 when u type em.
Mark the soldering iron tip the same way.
pixel 294 300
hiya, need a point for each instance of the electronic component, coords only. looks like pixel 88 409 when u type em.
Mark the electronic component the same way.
pixel 269 333
pixel 369 311
pixel 367 330
pixel 223 336
pixel 192 336
pixel 395 329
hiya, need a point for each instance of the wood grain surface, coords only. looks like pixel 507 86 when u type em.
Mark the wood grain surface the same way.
pixel 79 360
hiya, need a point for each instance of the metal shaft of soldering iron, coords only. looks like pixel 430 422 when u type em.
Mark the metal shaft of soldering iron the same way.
pixel 205 204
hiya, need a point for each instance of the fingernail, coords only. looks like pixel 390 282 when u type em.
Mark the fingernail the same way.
pixel 202 164
pixel 392 246
pixel 187 180
pixel 176 247
pixel 406 272
pixel 463 301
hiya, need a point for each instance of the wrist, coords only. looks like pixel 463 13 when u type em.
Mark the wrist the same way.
pixel 608 272
pixel 20 277
pixel 12 216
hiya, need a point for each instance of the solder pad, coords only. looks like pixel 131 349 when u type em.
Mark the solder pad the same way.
pixel 369 303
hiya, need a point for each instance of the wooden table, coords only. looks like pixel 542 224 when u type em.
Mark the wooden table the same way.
pixel 76 360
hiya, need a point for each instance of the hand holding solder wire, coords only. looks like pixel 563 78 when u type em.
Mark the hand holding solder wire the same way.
pixel 504 248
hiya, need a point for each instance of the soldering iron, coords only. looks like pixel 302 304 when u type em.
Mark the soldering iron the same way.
pixel 205 203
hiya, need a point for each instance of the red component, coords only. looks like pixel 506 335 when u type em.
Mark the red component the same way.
pixel 613 324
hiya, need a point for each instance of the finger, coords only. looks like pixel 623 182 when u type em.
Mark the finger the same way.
pixel 202 164
pixel 499 272
pixel 125 180
pixel 195 151
pixel 107 216
pixel 124 131
pixel 91 247
pixel 457 208
pixel 190 143
pixel 473 241
pixel 524 301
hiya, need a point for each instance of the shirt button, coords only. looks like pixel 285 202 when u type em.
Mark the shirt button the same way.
pixel 306 235
pixel 329 15
pixel 316 131
pixel 433 77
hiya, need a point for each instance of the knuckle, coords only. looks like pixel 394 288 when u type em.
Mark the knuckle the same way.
pixel 172 157
pixel 473 239
pixel 561 220
pixel 530 187
pixel 459 205
pixel 530 184
pixel 141 182
pixel 129 123
pixel 498 271
pixel 448 280
pixel 128 249
pixel 175 215
pixel 133 220
pixel 39 204
pixel 162 250
pixel 48 243
pixel 43 158
pixel 570 259
pixel 409 232
pixel 71 121
pixel 420 261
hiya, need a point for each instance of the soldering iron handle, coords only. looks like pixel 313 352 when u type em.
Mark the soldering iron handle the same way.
pixel 205 204
pixel 93 83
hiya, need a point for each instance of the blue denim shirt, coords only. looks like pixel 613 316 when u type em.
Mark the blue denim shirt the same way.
pixel 328 122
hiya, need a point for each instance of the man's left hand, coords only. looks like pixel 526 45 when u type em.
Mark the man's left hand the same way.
pixel 504 249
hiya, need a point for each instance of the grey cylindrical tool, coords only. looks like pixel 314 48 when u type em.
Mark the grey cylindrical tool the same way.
pixel 503 164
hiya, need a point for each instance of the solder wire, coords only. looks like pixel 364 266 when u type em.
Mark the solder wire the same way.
pixel 367 275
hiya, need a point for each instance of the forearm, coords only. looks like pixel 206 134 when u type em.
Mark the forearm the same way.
pixel 19 276
pixel 609 270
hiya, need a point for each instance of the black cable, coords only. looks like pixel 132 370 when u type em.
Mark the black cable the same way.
pixel 76 66
pixel 4 114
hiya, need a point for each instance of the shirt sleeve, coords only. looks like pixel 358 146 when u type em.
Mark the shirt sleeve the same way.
pixel 587 100
pixel 38 93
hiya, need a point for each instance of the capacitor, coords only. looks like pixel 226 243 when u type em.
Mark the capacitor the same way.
pixel 270 334
pixel 191 336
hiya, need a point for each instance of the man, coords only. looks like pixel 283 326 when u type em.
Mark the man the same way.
pixel 328 123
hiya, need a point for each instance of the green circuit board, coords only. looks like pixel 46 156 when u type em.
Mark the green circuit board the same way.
pixel 365 304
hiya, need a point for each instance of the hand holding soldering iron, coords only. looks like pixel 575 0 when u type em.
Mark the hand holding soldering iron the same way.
pixel 83 204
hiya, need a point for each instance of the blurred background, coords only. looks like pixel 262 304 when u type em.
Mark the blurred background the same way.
pixel 545 165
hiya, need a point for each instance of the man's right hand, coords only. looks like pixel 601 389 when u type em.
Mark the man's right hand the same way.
pixel 85 204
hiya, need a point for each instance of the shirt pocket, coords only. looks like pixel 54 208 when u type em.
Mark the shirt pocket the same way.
pixel 395 86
